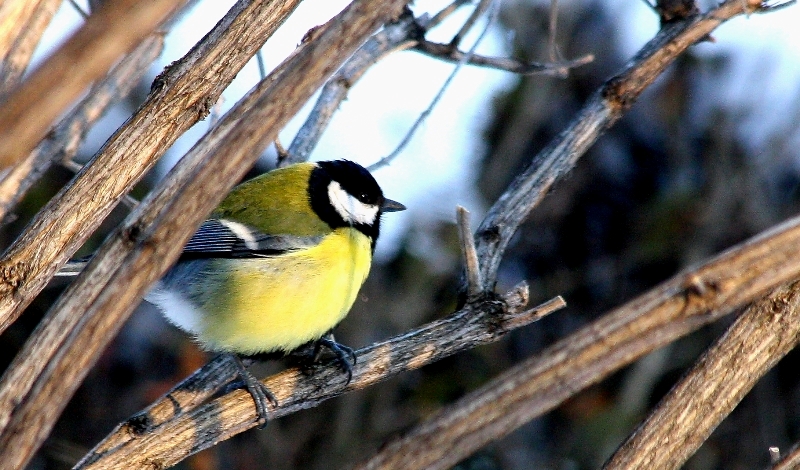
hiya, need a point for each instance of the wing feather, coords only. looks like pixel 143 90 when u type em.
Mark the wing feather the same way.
pixel 223 238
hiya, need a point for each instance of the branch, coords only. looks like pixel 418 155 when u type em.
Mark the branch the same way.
pixel 180 96
pixel 86 56
pixel 475 285
pixel 62 142
pixel 21 26
pixel 479 10
pixel 159 436
pixel 685 418
pixel 89 314
pixel 448 53
pixel 603 109
pixel 673 309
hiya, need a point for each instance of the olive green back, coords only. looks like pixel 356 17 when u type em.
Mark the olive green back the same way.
pixel 275 203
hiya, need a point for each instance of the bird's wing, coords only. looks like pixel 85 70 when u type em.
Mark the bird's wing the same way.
pixel 223 238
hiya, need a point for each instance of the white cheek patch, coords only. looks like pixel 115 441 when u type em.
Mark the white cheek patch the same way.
pixel 242 232
pixel 350 208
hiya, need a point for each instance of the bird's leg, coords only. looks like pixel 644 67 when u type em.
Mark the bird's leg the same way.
pixel 260 393
pixel 344 355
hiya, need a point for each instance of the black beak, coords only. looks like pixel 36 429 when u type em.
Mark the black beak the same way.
pixel 392 206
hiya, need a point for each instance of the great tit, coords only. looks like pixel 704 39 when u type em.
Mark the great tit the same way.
pixel 278 264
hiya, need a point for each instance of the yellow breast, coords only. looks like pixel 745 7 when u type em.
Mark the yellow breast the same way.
pixel 288 300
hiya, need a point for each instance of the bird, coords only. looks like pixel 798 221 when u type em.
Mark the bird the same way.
pixel 277 265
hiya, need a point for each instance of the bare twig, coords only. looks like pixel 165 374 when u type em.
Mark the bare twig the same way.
pixel 774 454
pixel 180 96
pixel 283 154
pixel 86 56
pixel 446 12
pixel 84 14
pixel 537 385
pixel 652 7
pixel 262 69
pixel 684 419
pixel 555 56
pixel 601 111
pixel 62 142
pixel 479 10
pixel 21 27
pixel 558 69
pixel 83 321
pixel 424 114
pixel 789 461
pixel 163 438
pixel 474 283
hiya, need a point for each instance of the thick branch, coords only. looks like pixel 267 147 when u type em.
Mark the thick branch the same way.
pixel 21 26
pixel 684 419
pixel 86 56
pixel 181 96
pixel 603 109
pixel 164 438
pixel 530 389
pixel 89 314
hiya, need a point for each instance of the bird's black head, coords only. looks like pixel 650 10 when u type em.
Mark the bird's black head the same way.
pixel 344 194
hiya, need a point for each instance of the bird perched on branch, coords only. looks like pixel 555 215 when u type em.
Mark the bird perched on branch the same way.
pixel 278 264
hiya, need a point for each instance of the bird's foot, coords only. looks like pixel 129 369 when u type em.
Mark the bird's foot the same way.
pixel 345 356
pixel 258 390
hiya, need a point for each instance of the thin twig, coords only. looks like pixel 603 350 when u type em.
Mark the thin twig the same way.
pixel 164 441
pixel 774 455
pixel 479 10
pixel 652 7
pixel 557 69
pixel 424 114
pixel 283 154
pixel 84 14
pixel 445 13
pixel 555 56
pixel 725 373
pixel 474 283
pixel 262 69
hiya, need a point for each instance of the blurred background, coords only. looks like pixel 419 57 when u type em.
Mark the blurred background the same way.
pixel 707 158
